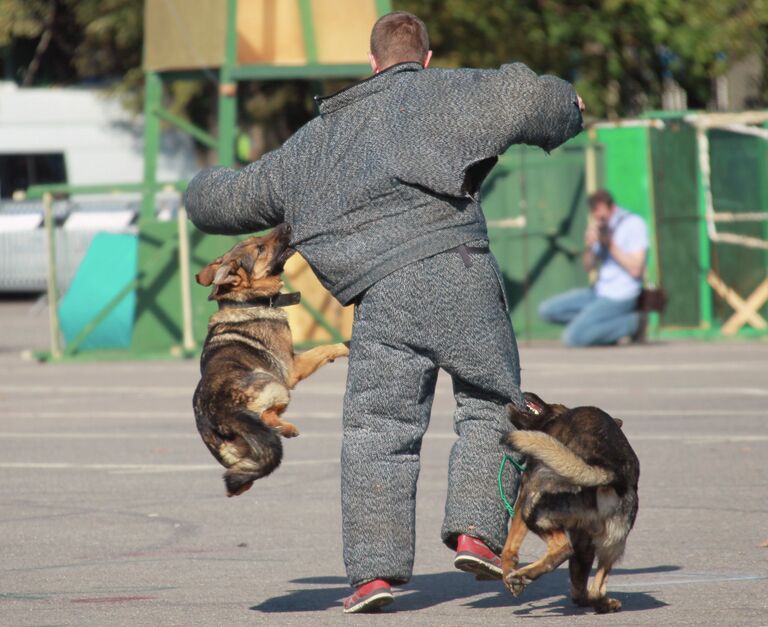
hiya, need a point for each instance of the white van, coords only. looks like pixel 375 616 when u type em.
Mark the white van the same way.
pixel 80 136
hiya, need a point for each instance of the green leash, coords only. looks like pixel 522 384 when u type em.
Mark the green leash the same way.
pixel 521 469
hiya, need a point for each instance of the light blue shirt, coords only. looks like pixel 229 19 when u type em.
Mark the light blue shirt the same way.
pixel 630 235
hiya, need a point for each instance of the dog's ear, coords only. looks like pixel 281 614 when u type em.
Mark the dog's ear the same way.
pixel 205 276
pixel 247 262
pixel 557 409
pixel 225 276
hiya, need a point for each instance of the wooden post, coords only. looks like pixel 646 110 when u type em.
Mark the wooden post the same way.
pixel 227 114
pixel 590 162
pixel 53 291
pixel 188 336
pixel 706 226
pixel 153 98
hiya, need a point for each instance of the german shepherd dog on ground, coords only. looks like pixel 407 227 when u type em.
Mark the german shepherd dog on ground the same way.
pixel 248 365
pixel 578 494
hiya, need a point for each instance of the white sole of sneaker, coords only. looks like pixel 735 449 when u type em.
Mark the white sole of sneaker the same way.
pixel 373 602
pixel 478 567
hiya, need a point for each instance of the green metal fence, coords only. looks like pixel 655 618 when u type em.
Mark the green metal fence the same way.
pixel 682 271
pixel 535 208
pixel 665 170
pixel 739 186
pixel 680 175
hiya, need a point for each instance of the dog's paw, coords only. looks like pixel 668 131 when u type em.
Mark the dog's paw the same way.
pixel 240 490
pixel 516 583
pixel 606 605
pixel 581 600
pixel 509 562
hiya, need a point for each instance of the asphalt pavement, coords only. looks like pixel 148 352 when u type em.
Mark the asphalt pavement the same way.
pixel 113 512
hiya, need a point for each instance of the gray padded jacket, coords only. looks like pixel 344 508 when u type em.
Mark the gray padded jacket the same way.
pixel 390 170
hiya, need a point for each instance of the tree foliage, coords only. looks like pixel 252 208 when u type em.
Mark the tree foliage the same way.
pixel 71 40
pixel 617 52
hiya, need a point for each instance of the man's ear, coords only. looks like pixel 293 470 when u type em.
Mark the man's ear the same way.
pixel 374 63
pixel 205 276
pixel 427 59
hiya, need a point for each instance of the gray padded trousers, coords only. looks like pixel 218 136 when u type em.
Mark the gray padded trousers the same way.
pixel 434 313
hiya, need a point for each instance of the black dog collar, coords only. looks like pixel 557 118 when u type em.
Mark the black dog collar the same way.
pixel 278 300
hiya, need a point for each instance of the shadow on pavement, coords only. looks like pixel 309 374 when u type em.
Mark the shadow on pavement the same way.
pixel 322 593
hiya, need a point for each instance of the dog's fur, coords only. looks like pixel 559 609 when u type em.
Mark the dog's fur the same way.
pixel 578 494
pixel 248 365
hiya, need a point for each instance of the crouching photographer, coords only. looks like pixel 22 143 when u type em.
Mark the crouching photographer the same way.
pixel 616 245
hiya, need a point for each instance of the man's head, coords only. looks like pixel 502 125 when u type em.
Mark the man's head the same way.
pixel 396 38
pixel 601 206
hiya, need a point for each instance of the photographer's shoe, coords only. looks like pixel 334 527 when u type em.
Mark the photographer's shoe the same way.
pixel 369 597
pixel 474 556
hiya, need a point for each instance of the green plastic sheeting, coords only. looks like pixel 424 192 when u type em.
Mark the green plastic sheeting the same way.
pixel 108 266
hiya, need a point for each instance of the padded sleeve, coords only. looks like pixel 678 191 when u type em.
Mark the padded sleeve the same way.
pixel 234 202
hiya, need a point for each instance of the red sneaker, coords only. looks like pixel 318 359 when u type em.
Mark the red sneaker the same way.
pixel 369 597
pixel 474 556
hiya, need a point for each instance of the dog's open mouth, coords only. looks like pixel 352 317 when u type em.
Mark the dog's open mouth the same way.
pixel 532 407
pixel 281 258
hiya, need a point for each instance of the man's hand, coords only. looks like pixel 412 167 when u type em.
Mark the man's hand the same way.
pixel 604 235
pixel 591 235
pixel 580 102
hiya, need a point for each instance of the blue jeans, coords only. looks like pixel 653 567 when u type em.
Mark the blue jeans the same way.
pixel 590 320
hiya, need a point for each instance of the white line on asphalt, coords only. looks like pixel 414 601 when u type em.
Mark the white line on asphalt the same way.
pixel 60 435
pixel 336 415
pixel 141 468
pixel 188 415
pixel 661 437
pixel 338 390
pixel 90 415
pixel 696 437
pixel 101 390
pixel 138 390
pixel 336 435
pixel 660 367
pixel 677 582
pixel 676 390
pixel 691 412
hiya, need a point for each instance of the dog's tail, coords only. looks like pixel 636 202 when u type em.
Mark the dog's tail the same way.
pixel 558 457
pixel 265 455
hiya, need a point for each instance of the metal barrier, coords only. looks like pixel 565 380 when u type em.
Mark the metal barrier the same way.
pixel 170 318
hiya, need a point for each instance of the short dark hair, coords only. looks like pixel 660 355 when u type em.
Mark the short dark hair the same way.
pixel 398 37
pixel 600 197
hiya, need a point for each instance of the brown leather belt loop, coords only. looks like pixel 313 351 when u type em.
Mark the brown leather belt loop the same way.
pixel 465 252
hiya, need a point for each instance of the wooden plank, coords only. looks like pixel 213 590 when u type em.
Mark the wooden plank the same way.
pixel 749 312
pixel 744 311
pixel 184 34
pixel 270 32
pixel 304 327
